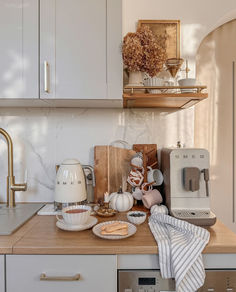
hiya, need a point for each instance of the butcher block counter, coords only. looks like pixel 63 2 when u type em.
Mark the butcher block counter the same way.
pixel 41 236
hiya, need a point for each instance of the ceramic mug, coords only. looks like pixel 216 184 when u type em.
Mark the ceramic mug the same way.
pixel 154 81
pixel 155 176
pixel 137 193
pixel 75 215
pixel 151 198
pixel 137 160
pixel 135 178
pixel 146 187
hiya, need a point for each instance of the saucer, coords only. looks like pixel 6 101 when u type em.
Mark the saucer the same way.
pixel 90 223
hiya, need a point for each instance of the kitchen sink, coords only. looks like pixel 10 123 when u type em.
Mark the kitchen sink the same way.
pixel 12 218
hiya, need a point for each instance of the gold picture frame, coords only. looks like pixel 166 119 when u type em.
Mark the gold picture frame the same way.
pixel 168 34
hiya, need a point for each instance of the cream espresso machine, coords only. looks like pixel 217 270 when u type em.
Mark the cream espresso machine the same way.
pixel 186 184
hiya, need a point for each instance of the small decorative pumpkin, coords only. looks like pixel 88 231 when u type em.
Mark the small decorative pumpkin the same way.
pixel 121 201
pixel 162 209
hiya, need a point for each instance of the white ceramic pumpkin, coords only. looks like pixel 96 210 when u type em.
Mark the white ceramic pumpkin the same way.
pixel 121 201
pixel 159 209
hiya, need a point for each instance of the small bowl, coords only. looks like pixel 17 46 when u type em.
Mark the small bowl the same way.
pixel 136 220
pixel 187 82
pixel 76 218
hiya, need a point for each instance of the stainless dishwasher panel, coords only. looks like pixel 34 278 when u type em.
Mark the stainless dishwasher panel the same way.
pixel 143 281
pixel 151 281
pixel 219 281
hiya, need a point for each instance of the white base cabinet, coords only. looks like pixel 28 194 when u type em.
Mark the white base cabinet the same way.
pixel 2 273
pixel 97 273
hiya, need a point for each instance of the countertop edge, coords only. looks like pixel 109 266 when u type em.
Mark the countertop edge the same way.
pixel 26 241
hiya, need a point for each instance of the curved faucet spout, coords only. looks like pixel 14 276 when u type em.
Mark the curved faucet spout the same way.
pixel 10 151
pixel 12 187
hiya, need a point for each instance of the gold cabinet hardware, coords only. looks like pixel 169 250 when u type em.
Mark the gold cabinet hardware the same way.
pixel 12 187
pixel 44 277
pixel 46 76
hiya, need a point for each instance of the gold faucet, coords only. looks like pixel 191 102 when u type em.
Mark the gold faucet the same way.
pixel 12 187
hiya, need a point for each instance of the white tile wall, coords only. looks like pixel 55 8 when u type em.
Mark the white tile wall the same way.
pixel 44 137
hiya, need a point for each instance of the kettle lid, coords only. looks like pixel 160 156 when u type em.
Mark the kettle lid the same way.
pixel 70 162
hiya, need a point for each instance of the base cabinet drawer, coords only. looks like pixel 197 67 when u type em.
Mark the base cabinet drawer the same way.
pixel 60 273
pixel 2 273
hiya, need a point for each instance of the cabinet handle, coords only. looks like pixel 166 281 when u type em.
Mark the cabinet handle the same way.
pixel 46 76
pixel 44 277
pixel 233 134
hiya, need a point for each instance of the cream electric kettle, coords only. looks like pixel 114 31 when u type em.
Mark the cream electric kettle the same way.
pixel 71 183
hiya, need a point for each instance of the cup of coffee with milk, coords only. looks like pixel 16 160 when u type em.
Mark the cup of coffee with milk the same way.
pixel 75 215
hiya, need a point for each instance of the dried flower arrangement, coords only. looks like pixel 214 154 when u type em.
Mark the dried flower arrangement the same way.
pixel 132 52
pixel 142 52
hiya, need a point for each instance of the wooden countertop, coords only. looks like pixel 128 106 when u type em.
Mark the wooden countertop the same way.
pixel 8 241
pixel 41 236
pixel 46 238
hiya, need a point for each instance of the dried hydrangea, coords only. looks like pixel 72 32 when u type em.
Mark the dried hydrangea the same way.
pixel 142 52
pixel 132 52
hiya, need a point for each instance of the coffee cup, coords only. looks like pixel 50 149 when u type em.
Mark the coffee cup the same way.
pixel 151 198
pixel 137 193
pixel 75 215
pixel 137 160
pixel 135 178
pixel 154 176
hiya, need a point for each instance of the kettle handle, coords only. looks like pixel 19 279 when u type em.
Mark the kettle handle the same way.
pixel 57 167
pixel 90 168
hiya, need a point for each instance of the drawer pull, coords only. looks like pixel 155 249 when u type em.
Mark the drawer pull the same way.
pixel 44 277
pixel 46 76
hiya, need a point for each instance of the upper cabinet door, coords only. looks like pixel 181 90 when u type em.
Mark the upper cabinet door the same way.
pixel 80 56
pixel 19 49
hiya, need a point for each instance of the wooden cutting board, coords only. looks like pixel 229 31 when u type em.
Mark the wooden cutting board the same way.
pixel 111 168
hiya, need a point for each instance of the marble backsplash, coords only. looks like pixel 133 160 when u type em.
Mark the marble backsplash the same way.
pixel 43 138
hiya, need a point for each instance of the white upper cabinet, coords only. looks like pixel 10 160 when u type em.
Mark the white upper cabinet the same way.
pixel 80 49
pixel 19 52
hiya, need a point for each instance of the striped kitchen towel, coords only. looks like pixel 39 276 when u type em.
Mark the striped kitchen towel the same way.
pixel 180 245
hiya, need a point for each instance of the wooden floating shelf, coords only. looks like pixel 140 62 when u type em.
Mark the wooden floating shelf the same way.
pixel 136 97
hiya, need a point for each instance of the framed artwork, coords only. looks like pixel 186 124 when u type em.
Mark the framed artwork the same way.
pixel 167 33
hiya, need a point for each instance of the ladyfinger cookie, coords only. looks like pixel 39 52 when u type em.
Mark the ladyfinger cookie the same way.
pixel 116 227
pixel 110 225
pixel 117 232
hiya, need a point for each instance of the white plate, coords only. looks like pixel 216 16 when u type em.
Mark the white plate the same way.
pixel 97 230
pixel 90 223
pixel 188 90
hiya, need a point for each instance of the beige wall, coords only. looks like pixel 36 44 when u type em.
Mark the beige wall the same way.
pixel 213 117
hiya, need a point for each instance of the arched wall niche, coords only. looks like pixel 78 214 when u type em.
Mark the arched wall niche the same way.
pixel 214 124
pixel 223 20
